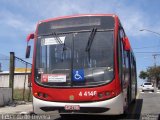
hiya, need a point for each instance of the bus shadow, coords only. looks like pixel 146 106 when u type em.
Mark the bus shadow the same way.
pixel 134 112
pixel 90 117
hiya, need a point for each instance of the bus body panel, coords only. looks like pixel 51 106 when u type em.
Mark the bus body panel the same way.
pixel 74 16
pixel 79 94
pixel 113 106
pixel 61 96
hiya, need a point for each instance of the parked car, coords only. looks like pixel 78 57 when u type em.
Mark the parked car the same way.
pixel 147 86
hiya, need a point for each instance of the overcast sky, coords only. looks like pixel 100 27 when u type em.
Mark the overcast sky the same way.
pixel 19 17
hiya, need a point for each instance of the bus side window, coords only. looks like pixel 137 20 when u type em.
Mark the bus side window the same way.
pixel 119 58
pixel 125 61
pixel 123 58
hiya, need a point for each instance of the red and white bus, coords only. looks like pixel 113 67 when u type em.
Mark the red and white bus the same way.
pixel 82 64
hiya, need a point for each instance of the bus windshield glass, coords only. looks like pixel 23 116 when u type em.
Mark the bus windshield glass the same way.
pixel 62 61
pixel 75 59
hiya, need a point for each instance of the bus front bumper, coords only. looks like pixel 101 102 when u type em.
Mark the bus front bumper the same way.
pixel 112 106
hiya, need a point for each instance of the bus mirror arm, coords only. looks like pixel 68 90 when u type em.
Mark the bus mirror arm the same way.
pixel 30 36
pixel 126 43
pixel 28 49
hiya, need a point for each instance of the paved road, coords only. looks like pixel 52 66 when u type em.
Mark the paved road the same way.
pixel 147 107
pixel 15 112
pixel 151 103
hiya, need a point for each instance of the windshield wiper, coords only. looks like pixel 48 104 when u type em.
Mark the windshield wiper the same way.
pixel 59 41
pixel 89 43
pixel 90 40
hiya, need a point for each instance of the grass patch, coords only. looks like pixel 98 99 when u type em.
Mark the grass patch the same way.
pixel 20 96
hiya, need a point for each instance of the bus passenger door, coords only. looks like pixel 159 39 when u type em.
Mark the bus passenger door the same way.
pixel 133 79
pixel 124 69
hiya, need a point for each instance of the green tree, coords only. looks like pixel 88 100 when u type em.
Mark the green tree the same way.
pixel 143 75
pixel 151 74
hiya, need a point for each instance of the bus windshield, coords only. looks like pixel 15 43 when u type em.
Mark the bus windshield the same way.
pixel 62 59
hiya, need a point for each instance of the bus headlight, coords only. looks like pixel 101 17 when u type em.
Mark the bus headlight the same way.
pixel 45 95
pixel 107 93
pixel 100 95
pixel 41 95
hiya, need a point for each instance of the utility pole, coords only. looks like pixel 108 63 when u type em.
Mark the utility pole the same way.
pixel 154 56
pixel 11 75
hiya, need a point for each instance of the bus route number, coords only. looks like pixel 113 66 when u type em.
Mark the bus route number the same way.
pixel 87 93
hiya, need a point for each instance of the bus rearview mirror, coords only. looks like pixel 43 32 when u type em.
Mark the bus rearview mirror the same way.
pixel 28 50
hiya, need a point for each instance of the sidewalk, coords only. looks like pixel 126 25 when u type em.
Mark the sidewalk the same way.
pixel 17 109
pixel 24 112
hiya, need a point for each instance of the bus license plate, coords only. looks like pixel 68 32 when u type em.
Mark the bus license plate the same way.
pixel 72 107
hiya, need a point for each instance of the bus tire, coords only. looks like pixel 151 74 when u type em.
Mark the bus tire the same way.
pixel 134 101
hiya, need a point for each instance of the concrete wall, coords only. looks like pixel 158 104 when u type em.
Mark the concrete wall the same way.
pixel 19 80
pixel 4 80
pixel 5 96
pixel 6 92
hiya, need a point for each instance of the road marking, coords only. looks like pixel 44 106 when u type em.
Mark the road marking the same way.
pixel 147 92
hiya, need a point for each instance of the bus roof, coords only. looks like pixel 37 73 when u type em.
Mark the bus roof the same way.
pixel 74 16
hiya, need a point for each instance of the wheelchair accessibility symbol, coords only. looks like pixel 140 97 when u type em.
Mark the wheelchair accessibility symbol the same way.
pixel 78 75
